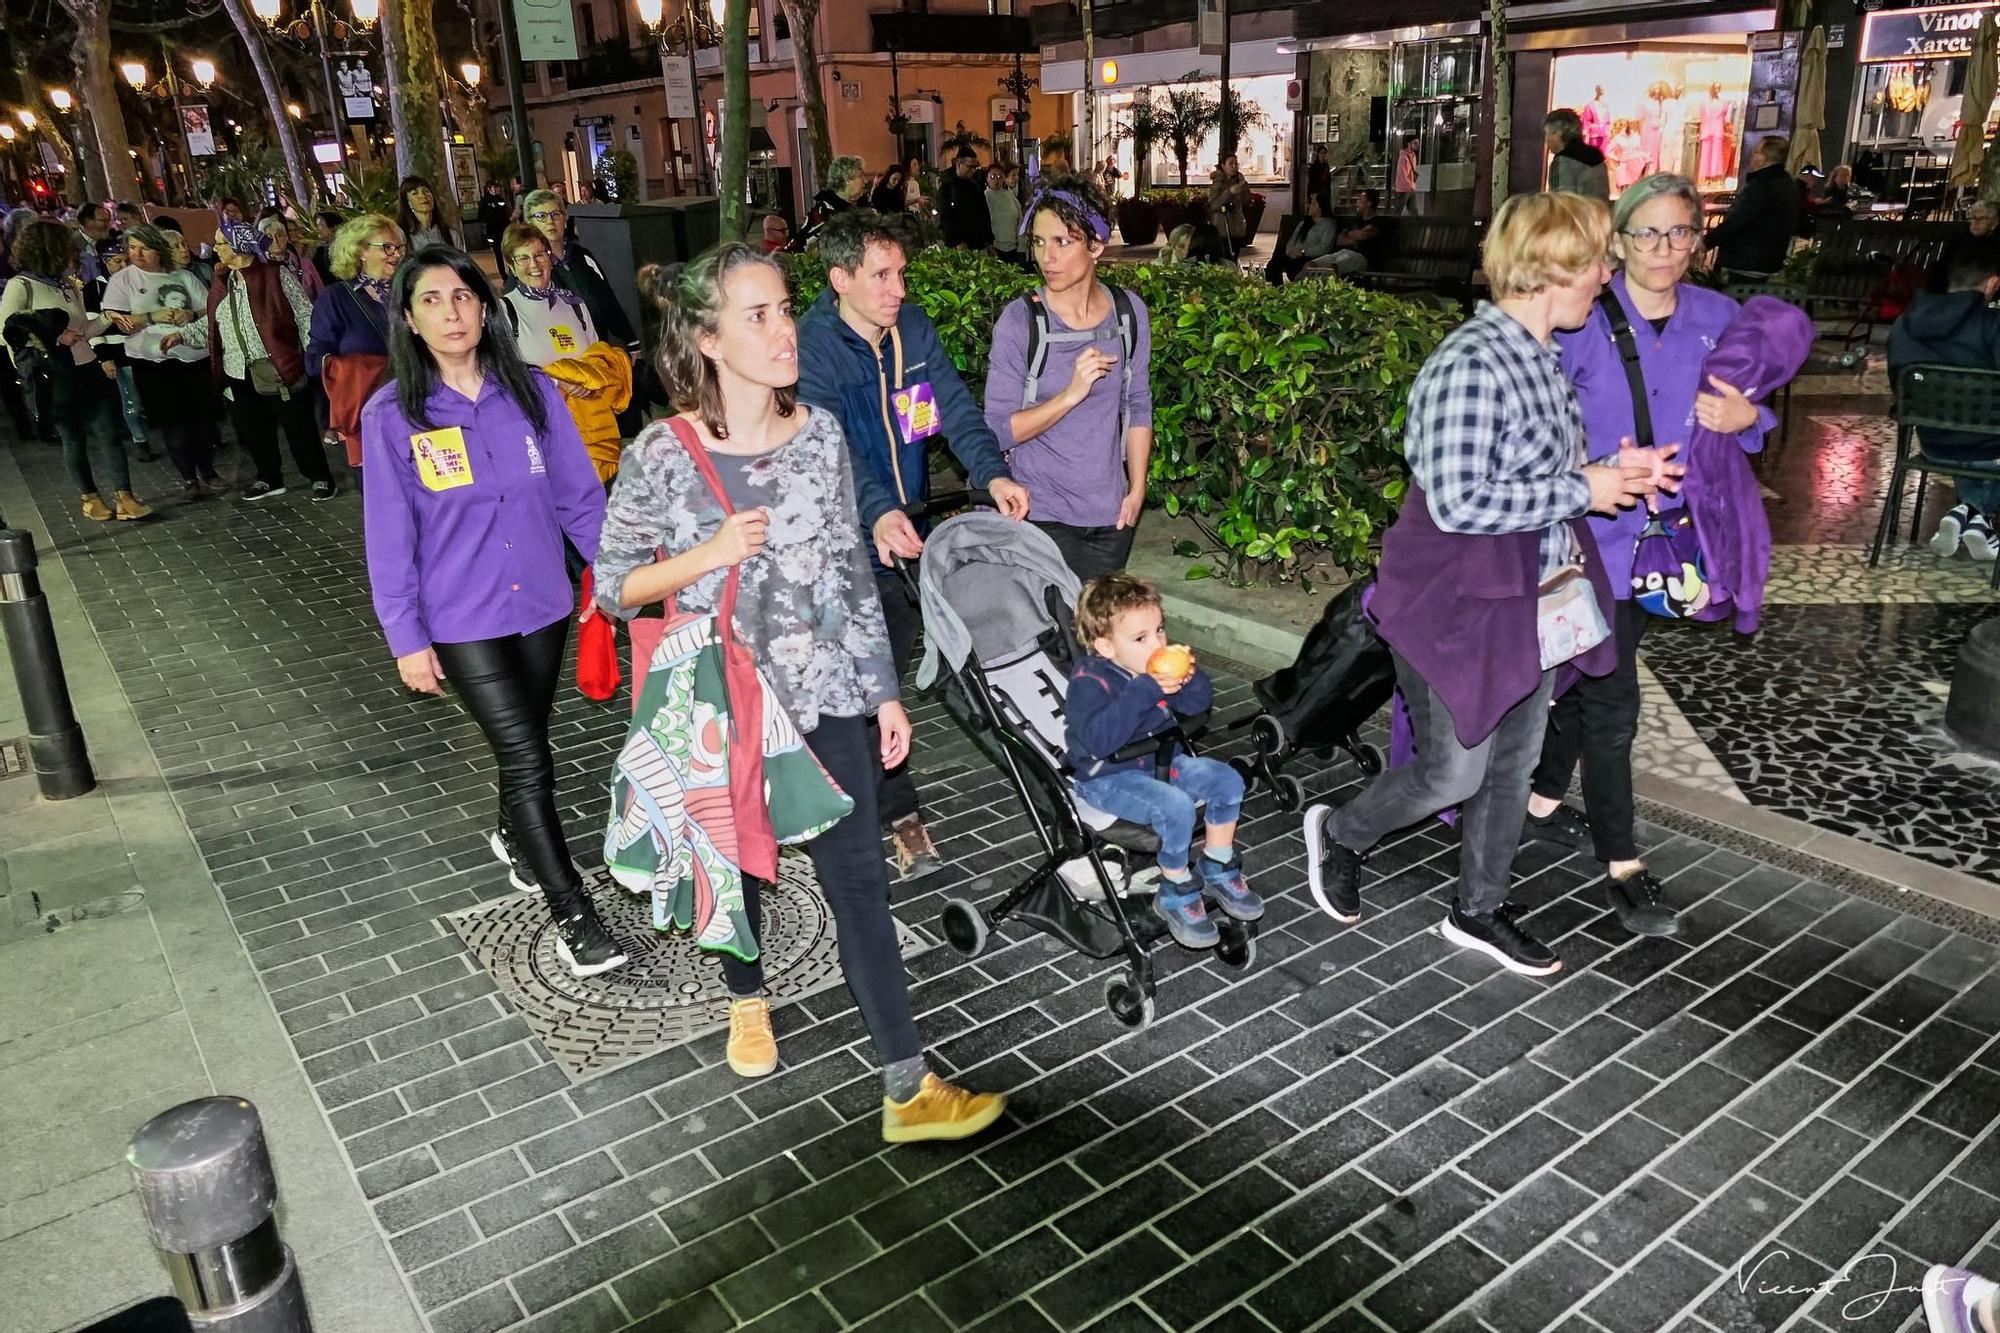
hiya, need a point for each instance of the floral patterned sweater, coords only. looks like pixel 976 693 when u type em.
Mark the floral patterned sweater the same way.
pixel 807 606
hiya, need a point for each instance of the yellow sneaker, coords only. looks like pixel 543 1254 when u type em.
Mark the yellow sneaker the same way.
pixel 753 1051
pixel 94 507
pixel 940 1110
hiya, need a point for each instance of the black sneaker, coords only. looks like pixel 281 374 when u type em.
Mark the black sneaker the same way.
pixel 1565 826
pixel 262 490
pixel 323 490
pixel 508 852
pixel 1636 898
pixel 1333 873
pixel 584 945
pixel 190 489
pixel 1500 939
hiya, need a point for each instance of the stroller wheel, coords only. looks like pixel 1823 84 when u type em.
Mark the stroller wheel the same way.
pixel 1290 793
pixel 964 927
pixel 1368 759
pixel 1849 360
pixel 1128 1002
pixel 1238 948
pixel 1269 735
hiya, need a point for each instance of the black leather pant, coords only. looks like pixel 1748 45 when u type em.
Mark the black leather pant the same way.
pixel 509 687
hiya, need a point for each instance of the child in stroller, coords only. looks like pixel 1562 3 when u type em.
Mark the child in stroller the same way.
pixel 996 598
pixel 1128 689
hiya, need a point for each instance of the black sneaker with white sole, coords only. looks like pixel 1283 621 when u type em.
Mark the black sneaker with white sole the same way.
pixel 262 490
pixel 508 852
pixel 1565 826
pixel 1333 873
pixel 584 945
pixel 324 490
pixel 1638 899
pixel 1499 938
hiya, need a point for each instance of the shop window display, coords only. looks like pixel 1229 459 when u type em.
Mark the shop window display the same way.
pixel 1675 108
pixel 1263 147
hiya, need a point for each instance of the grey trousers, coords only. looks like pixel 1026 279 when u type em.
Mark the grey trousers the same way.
pixel 1488 783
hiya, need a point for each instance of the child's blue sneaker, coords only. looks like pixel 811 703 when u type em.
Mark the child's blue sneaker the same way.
pixel 1231 889
pixel 1180 906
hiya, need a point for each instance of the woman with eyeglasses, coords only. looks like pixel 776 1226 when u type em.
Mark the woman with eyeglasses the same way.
pixel 349 348
pixel 558 336
pixel 1656 237
pixel 575 269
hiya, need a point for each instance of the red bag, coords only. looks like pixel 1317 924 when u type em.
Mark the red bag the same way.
pixel 596 651
pixel 757 845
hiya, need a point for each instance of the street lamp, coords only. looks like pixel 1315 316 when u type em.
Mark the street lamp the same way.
pixel 471 73
pixel 60 99
pixel 691 28
pixel 204 73
pixel 6 131
pixel 315 26
pixel 27 118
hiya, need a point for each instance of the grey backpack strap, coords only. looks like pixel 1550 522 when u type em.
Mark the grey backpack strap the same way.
pixel 1128 338
pixel 1038 346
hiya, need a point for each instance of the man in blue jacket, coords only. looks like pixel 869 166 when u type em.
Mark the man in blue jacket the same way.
pixel 1959 328
pixel 877 364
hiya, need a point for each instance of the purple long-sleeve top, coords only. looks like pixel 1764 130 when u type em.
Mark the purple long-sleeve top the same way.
pixel 1671 360
pixel 484 558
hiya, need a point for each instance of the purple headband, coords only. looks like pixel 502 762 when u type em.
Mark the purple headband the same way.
pixel 244 239
pixel 1098 226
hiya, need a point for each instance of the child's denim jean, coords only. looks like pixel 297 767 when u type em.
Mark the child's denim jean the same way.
pixel 1169 807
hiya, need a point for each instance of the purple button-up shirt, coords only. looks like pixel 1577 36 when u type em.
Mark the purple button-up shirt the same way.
pixel 1671 362
pixel 484 559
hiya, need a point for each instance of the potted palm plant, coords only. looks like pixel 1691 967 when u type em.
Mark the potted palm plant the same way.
pixel 1138 218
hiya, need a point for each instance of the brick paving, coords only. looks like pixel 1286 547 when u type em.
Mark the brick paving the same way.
pixel 1366 1130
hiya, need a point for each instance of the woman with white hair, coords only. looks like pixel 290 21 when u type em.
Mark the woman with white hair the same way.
pixel 1669 323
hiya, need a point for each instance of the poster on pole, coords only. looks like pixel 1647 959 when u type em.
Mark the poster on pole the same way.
pixel 200 134
pixel 356 83
pixel 464 174
pixel 1211 26
pixel 547 29
pixel 679 74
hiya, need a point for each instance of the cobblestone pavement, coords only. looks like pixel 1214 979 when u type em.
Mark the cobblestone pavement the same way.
pixel 1366 1130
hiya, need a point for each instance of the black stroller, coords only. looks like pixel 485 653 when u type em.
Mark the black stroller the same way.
pixel 997 602
pixel 1342 676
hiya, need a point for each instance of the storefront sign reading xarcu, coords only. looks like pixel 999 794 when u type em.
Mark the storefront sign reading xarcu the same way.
pixel 1922 34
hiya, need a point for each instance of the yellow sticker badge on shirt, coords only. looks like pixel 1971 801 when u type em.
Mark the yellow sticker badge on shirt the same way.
pixel 442 460
pixel 563 337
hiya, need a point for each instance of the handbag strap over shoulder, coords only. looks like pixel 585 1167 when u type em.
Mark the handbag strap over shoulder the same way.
pixel 725 607
pixel 1635 376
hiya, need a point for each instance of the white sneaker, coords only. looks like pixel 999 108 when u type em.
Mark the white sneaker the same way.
pixel 1944 542
pixel 1979 541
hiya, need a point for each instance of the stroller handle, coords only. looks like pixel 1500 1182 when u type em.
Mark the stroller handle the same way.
pixel 945 502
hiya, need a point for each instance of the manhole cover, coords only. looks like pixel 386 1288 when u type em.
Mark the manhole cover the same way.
pixel 670 992
pixel 13 757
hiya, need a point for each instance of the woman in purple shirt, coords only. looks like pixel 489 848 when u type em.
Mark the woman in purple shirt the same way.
pixel 1080 435
pixel 1656 235
pixel 476 475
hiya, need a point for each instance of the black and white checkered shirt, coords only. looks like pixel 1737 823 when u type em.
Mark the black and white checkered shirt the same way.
pixel 1495 436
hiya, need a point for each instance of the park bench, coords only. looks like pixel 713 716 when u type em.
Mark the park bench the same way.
pixel 1425 254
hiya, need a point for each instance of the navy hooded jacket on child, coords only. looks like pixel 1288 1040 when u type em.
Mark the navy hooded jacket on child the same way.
pixel 1108 708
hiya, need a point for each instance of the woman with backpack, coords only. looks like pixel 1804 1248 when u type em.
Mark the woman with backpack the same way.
pixel 1667 325
pixel 745 499
pixel 1068 386
pixel 46 326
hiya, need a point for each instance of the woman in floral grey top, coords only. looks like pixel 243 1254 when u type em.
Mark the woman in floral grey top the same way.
pixel 806 607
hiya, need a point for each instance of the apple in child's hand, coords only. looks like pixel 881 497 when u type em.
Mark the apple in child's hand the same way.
pixel 1175 662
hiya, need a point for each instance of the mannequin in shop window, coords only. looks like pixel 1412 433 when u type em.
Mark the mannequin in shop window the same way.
pixel 1716 136
pixel 1596 121
pixel 1627 155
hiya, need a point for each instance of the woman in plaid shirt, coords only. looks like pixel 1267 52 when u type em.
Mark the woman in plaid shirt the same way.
pixel 1494 512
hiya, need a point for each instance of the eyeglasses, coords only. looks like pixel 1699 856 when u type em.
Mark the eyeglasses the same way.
pixel 544 215
pixel 386 247
pixel 531 259
pixel 1647 239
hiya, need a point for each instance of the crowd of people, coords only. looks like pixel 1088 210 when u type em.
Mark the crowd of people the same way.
pixel 506 448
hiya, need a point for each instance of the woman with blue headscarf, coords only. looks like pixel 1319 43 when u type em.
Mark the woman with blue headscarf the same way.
pixel 259 321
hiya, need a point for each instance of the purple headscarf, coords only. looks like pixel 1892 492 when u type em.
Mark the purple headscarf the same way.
pixel 244 239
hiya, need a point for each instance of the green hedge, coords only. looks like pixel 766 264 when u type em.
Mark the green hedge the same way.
pixel 1277 411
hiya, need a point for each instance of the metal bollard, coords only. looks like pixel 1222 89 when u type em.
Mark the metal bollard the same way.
pixel 62 763
pixel 208 1192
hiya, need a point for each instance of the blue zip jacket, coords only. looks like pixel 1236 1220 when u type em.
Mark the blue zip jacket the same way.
pixel 840 372
pixel 1108 707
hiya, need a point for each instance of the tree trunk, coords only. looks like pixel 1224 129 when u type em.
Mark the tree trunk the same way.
pixel 89 162
pixel 96 88
pixel 803 15
pixel 735 116
pixel 1503 103
pixel 410 62
pixel 274 106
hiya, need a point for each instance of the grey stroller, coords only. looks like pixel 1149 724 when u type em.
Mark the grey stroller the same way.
pixel 997 601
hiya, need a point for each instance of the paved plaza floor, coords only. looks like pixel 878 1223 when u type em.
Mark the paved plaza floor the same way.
pixel 1364 1130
